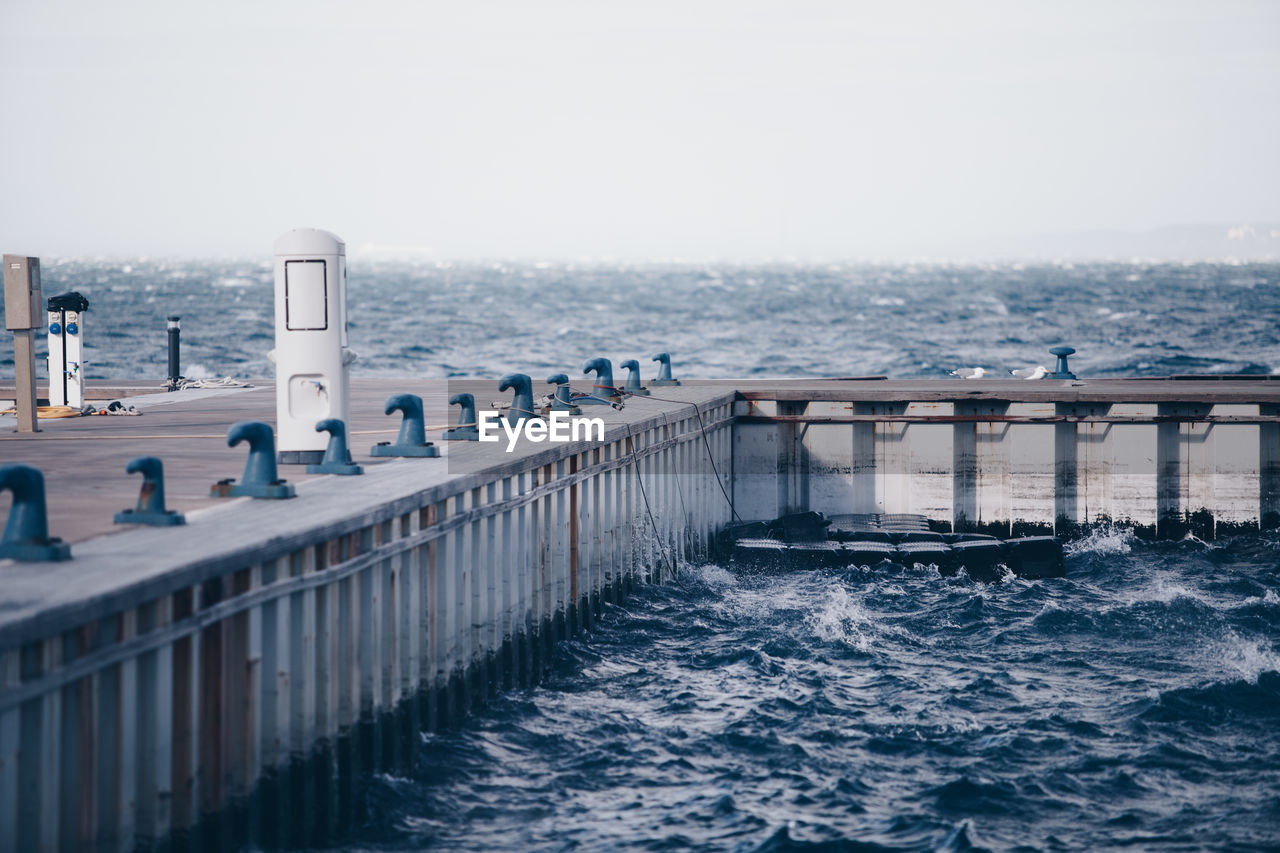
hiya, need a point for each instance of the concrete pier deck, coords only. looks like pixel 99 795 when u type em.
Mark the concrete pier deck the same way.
pixel 236 677
pixel 83 458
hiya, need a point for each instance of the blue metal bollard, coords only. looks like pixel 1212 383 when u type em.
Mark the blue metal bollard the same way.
pixel 603 392
pixel 260 479
pixel 337 458
pixel 664 370
pixel 468 428
pixel 150 508
pixel 412 440
pixel 561 401
pixel 633 385
pixel 26 533
pixel 1061 371
pixel 522 399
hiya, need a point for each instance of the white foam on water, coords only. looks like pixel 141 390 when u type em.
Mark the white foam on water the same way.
pixel 1103 539
pixel 199 371
pixel 716 577
pixel 1163 588
pixel 842 619
pixel 1049 607
pixel 1244 659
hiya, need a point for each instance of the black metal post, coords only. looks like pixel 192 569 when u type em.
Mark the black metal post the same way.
pixel 175 331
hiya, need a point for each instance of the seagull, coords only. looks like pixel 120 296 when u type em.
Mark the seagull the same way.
pixel 1037 372
pixel 969 372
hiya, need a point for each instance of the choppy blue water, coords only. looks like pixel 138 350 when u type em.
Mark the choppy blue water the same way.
pixel 1135 703
pixel 904 321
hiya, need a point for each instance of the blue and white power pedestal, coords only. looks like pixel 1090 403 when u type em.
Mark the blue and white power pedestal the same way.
pixel 66 349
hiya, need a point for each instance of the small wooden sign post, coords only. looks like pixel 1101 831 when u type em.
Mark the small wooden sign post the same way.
pixel 23 314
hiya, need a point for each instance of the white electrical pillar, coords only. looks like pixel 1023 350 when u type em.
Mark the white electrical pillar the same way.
pixel 66 349
pixel 311 355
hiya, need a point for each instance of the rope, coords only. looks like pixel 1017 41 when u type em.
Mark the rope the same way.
pixel 45 412
pixel 707 444
pixel 635 463
pixel 184 384
pixel 580 395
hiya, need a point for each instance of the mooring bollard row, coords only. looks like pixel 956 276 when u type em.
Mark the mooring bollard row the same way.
pixel 26 532
pixel 260 479
pixel 521 408
pixel 337 457
pixel 561 401
pixel 664 370
pixel 603 392
pixel 633 385
pixel 412 439
pixel 467 429
pixel 150 508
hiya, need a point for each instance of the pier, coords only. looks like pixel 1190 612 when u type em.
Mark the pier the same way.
pixel 233 679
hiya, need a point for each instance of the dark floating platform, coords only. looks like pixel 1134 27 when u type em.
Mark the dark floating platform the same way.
pixel 810 539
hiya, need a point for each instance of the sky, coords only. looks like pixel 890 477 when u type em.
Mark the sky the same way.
pixel 712 130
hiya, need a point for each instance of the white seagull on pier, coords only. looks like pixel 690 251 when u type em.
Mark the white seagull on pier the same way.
pixel 1037 372
pixel 969 372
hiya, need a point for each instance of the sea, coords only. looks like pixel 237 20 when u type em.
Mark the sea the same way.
pixel 1133 704
pixel 443 320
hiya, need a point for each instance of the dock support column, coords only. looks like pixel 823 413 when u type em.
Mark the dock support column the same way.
pixel 1066 466
pixel 793 460
pixel 1233 470
pixel 1180 451
pixel 1269 470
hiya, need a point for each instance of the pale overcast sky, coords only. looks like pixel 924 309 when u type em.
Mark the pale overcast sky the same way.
pixel 733 129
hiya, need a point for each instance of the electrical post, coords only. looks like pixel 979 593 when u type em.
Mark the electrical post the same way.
pixel 175 363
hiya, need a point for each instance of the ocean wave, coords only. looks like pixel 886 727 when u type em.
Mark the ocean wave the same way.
pixel 1102 539
pixel 842 618
pixel 1246 659
pixel 713 576
pixel 1220 702
pixel 1163 587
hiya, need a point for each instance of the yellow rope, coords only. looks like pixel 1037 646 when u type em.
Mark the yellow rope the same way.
pixel 49 412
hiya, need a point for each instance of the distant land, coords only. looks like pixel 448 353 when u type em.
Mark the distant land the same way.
pixel 1217 242
pixel 1240 242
